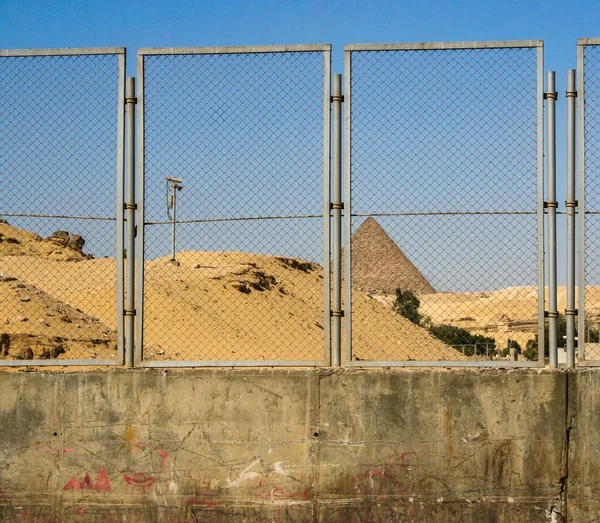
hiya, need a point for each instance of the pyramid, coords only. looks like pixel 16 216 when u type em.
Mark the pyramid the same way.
pixel 379 265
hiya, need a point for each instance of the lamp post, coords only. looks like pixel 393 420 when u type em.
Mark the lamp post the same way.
pixel 173 186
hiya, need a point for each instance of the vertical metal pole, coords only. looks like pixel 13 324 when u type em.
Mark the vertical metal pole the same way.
pixel 337 206
pixel 327 317
pixel 130 206
pixel 581 203
pixel 140 214
pixel 173 223
pixel 347 207
pixel 570 204
pixel 541 266
pixel 120 216
pixel 551 96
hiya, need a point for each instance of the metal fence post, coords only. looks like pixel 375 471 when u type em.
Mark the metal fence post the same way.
pixel 337 207
pixel 581 192
pixel 551 204
pixel 571 204
pixel 130 206
pixel 347 211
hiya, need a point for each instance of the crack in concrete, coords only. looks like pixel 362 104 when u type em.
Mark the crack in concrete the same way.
pixel 558 512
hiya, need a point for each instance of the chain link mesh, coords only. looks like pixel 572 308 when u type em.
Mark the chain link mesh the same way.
pixel 444 176
pixel 58 136
pixel 591 54
pixel 243 279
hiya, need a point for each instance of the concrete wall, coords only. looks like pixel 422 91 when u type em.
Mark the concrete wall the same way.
pixel 300 446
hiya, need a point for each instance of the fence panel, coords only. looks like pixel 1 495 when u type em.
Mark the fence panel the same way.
pixel 588 102
pixel 234 172
pixel 444 189
pixel 61 223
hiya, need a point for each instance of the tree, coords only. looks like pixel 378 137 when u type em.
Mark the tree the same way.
pixel 407 304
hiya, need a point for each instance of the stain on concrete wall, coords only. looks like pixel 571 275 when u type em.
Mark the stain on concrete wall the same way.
pixel 294 446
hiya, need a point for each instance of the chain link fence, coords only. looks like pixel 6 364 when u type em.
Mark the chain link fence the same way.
pixel 236 211
pixel 444 192
pixel 444 206
pixel 61 174
pixel 588 53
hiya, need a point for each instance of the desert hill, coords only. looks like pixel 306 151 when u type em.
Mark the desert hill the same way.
pixel 60 246
pixel 250 306
pixel 36 326
pixel 214 305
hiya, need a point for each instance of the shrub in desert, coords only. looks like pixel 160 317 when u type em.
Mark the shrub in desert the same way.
pixel 591 336
pixel 462 339
pixel 407 304
pixel 531 349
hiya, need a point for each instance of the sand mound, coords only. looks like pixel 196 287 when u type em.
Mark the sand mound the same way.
pixel 60 246
pixel 36 326
pixel 215 306
pixel 378 264
pixel 232 305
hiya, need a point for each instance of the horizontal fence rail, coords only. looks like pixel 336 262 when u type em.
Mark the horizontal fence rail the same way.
pixel 61 221
pixel 234 175
pixel 444 204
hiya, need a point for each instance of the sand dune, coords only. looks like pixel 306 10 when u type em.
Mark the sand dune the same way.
pixel 213 306
pixel 226 306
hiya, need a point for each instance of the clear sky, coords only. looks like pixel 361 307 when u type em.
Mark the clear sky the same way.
pixel 152 23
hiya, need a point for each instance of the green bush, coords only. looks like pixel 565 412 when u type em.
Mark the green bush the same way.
pixel 407 304
pixel 462 339
pixel 531 349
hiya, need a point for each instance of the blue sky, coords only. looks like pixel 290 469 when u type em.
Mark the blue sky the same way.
pixel 153 23
pixel 136 24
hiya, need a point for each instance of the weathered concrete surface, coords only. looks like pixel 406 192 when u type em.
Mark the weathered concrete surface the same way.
pixel 582 486
pixel 298 446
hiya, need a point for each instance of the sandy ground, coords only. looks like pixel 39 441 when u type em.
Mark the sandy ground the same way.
pixel 213 306
pixel 36 326
pixel 241 306
pixel 226 306
pixel 509 313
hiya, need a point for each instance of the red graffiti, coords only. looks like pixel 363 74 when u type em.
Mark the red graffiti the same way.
pixel 274 492
pixel 384 471
pixel 148 447
pixel 382 480
pixel 303 496
pixel 139 479
pixel 102 482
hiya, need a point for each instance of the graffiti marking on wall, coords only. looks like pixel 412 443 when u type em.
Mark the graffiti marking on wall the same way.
pixel 139 480
pixel 102 483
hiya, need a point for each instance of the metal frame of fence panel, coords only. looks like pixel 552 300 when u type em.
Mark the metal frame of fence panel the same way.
pixel 390 98
pixel 588 206
pixel 222 147
pixel 67 136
